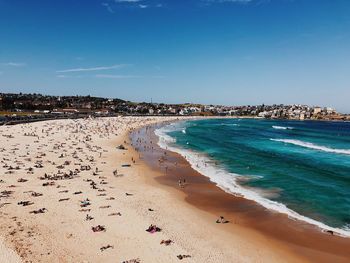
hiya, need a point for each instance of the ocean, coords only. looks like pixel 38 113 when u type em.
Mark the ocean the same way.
pixel 300 168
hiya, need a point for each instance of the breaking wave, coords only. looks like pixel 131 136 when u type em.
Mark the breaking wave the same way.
pixel 282 128
pixel 313 146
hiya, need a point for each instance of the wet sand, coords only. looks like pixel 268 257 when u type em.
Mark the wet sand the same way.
pixel 246 217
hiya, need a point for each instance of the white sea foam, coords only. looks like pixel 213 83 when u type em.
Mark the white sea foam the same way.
pixel 184 131
pixel 227 181
pixel 282 128
pixel 347 227
pixel 313 146
pixel 229 124
pixel 164 138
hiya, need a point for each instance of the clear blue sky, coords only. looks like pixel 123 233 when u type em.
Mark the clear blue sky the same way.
pixel 229 52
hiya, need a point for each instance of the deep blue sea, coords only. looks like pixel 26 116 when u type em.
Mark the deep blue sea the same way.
pixel 301 168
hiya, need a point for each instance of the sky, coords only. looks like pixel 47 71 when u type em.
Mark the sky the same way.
pixel 227 52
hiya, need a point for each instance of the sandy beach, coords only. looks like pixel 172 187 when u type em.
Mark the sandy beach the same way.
pixel 70 194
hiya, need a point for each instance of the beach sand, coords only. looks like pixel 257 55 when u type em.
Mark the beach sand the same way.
pixel 60 180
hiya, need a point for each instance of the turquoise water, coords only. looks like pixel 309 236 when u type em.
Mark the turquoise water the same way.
pixel 304 165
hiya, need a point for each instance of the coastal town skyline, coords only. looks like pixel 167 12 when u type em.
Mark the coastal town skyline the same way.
pixel 23 107
pixel 199 51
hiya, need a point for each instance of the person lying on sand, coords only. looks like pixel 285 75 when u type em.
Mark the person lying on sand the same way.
pixel 40 211
pixel 222 220
pixel 98 228
pixel 49 184
pixel 106 247
pixel 6 193
pixel 35 194
pixel 181 257
pixel 166 242
pixel 25 203
pixel 136 260
pixel 115 214
pixel 153 229
pixel 85 203
pixel 88 217
pixel 22 180
pixel 85 210
pixel 105 206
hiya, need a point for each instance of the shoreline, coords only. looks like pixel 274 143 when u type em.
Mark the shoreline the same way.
pixel 241 191
pixel 125 203
pixel 302 238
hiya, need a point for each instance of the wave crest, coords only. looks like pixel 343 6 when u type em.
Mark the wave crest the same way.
pixel 313 146
pixel 282 127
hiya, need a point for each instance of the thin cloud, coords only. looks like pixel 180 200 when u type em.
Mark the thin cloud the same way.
pixel 142 4
pixel 107 76
pixel 67 76
pixel 108 7
pixel 14 64
pixel 92 69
